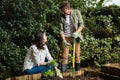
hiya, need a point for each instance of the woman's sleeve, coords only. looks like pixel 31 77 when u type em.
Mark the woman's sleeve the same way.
pixel 35 55
pixel 48 55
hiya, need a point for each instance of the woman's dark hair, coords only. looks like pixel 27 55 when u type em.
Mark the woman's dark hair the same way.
pixel 64 4
pixel 38 40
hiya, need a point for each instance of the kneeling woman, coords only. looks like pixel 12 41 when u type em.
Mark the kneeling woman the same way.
pixel 35 58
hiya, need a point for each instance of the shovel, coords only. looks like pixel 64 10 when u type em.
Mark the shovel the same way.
pixel 73 59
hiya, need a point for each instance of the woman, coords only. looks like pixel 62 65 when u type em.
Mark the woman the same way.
pixel 35 58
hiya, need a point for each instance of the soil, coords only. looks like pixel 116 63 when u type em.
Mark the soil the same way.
pixel 79 78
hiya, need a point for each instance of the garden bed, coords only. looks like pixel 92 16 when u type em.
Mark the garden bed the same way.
pixel 111 68
pixel 87 77
pixel 79 75
pixel 84 74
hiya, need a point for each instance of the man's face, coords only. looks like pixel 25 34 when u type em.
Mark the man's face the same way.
pixel 66 11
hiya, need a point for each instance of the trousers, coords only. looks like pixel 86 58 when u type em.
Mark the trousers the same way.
pixel 65 50
pixel 37 69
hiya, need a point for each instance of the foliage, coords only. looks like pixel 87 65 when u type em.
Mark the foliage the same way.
pixel 48 73
pixel 53 63
pixel 99 51
pixel 20 19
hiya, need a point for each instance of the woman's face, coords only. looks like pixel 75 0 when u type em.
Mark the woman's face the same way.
pixel 44 38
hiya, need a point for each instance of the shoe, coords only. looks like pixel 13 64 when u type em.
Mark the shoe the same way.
pixel 77 66
pixel 64 67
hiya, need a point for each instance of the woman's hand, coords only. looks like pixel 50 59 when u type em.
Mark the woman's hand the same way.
pixel 43 63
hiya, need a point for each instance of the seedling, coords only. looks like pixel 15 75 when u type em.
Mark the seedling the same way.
pixel 54 65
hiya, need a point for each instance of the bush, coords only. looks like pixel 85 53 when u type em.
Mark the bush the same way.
pixel 20 19
pixel 99 51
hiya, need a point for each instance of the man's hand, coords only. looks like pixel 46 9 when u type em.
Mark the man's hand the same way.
pixel 75 34
pixel 66 43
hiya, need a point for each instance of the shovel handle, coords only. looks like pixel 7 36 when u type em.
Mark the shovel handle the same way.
pixel 74 42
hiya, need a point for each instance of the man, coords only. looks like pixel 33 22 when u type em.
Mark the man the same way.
pixel 71 24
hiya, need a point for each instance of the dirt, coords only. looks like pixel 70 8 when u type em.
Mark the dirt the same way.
pixel 78 78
